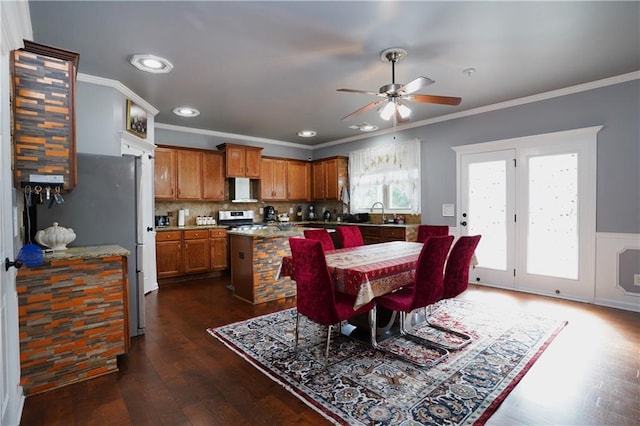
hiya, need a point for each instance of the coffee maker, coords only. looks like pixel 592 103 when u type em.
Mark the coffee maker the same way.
pixel 312 212
pixel 269 214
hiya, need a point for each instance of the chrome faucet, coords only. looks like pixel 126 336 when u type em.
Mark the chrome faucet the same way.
pixel 381 206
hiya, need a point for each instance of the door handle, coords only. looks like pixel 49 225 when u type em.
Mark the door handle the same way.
pixel 463 223
pixel 149 229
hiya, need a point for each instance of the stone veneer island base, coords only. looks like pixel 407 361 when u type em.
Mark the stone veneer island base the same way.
pixel 255 260
pixel 73 316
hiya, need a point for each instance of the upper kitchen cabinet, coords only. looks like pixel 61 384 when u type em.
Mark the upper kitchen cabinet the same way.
pixel 188 174
pixel 273 179
pixel 212 176
pixel 43 95
pixel 242 160
pixel 164 175
pixel 329 176
pixel 298 180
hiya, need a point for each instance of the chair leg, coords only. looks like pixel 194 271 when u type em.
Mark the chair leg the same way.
pixel 326 351
pixel 466 338
pixel 373 326
pixel 297 333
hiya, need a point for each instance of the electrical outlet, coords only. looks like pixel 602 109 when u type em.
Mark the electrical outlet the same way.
pixel 186 212
pixel 290 210
pixel 636 280
pixel 261 210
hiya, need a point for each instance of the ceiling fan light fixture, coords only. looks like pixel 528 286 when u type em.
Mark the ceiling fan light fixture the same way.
pixel 367 127
pixel 151 63
pixel 186 111
pixel 404 111
pixel 388 110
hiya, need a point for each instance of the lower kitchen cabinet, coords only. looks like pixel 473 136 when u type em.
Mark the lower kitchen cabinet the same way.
pixel 191 252
pixel 196 251
pixel 169 253
pixel 382 234
pixel 219 249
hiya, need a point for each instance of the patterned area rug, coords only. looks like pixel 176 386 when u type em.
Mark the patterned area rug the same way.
pixel 360 386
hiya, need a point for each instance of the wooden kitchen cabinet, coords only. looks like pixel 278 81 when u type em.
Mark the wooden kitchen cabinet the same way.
pixel 298 180
pixel 169 253
pixel 213 176
pixel 196 251
pixel 273 179
pixel 242 160
pixel 164 175
pixel 382 234
pixel 329 176
pixel 189 174
pixel 219 249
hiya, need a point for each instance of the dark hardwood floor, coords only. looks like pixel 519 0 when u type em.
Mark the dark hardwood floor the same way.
pixel 177 374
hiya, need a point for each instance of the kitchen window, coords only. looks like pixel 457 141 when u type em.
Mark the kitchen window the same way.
pixel 388 173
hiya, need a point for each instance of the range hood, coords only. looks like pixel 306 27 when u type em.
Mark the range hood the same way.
pixel 240 190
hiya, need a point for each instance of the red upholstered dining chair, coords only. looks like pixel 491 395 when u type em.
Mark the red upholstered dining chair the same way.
pixel 426 231
pixel 426 289
pixel 349 236
pixel 316 296
pixel 321 235
pixel 456 280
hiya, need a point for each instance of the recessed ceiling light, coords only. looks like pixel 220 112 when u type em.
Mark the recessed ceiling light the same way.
pixel 364 127
pixel 151 63
pixel 307 133
pixel 186 111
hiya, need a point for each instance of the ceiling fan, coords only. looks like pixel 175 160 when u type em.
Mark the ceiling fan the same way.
pixel 395 93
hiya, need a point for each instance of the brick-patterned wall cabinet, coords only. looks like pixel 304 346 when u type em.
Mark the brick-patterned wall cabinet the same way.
pixel 43 99
pixel 73 316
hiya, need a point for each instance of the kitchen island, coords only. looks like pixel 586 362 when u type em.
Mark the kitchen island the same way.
pixel 73 316
pixel 255 258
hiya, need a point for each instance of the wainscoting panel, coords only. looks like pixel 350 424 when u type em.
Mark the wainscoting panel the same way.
pixel 617 270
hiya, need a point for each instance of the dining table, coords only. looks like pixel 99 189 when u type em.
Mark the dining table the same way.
pixel 367 271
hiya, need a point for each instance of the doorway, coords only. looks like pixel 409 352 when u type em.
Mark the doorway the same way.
pixel 533 201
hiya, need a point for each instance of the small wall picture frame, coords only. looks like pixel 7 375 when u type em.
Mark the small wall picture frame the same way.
pixel 136 119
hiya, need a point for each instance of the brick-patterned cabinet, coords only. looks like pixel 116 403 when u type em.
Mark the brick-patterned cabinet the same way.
pixel 73 316
pixel 43 98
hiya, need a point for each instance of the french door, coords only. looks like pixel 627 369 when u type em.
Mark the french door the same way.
pixel 533 201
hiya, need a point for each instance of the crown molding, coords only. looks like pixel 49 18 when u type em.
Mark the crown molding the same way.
pixel 229 135
pixel 494 107
pixel 87 78
pixel 16 25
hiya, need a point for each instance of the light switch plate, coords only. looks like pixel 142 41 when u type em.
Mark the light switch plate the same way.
pixel 448 210
pixel 290 210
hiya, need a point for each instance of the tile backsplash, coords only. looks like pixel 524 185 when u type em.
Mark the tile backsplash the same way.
pixel 209 208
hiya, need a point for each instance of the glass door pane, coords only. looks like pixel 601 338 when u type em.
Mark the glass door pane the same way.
pixel 487 210
pixel 552 243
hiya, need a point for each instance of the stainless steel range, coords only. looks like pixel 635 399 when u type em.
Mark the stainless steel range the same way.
pixel 238 220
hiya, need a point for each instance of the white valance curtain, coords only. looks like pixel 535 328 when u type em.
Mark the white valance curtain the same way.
pixel 383 172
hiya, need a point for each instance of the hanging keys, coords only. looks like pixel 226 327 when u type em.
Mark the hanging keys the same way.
pixel 38 190
pixel 27 196
pixel 47 190
pixel 57 196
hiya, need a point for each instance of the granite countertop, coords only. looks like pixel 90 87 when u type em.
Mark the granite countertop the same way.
pixel 335 223
pixel 86 252
pixel 271 232
pixel 188 227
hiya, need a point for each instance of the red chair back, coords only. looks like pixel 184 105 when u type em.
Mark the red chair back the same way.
pixel 456 275
pixel 321 235
pixel 426 231
pixel 315 293
pixel 350 236
pixel 429 281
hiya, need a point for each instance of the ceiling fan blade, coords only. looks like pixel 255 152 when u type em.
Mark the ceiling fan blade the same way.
pixel 434 99
pixel 415 85
pixel 364 92
pixel 365 108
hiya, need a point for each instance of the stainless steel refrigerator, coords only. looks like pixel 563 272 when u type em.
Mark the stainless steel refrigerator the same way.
pixel 102 209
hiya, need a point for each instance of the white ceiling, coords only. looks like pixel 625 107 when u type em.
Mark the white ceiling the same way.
pixel 268 69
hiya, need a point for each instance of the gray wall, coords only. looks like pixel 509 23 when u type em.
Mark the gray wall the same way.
pixel 615 107
pixel 202 141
